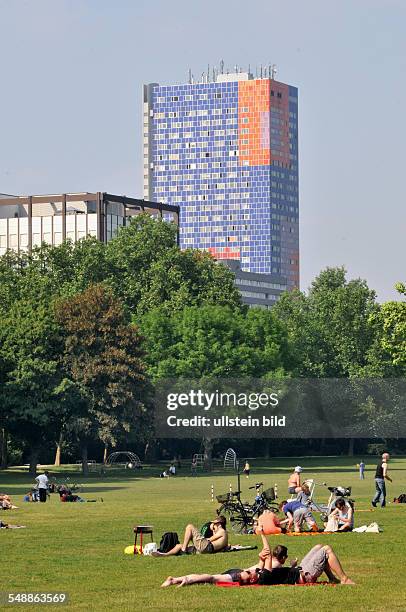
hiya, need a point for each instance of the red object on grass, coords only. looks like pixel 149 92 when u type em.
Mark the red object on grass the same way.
pixel 141 529
pixel 237 584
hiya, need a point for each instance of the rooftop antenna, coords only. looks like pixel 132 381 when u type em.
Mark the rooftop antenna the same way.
pixel 273 71
pixel 222 66
pixel 236 68
pixel 190 76
pixel 214 74
pixel 249 69
pixel 265 72
pixel 261 71
pixel 208 73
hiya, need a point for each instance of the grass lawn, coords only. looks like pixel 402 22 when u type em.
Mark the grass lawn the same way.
pixel 78 548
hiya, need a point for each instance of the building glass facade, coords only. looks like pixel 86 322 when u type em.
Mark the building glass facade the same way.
pixel 226 152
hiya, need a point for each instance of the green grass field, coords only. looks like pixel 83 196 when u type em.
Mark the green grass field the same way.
pixel 78 548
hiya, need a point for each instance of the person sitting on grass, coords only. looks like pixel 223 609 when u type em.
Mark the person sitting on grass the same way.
pixel 296 513
pixel 344 513
pixel 318 560
pixel 200 545
pixel 5 502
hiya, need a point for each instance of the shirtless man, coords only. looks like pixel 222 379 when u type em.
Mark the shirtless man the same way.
pixel 318 560
pixel 203 546
pixel 294 481
pixel 273 560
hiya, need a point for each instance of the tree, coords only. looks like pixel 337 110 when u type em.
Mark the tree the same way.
pixel 148 269
pixel 393 324
pixel 102 362
pixel 332 329
pixel 29 346
pixel 212 342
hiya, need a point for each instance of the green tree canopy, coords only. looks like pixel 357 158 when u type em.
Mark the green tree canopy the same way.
pixel 332 327
pixel 102 360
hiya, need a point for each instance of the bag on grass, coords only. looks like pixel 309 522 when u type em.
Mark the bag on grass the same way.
pixel 206 531
pixel 168 541
pixel 149 548
pixel 332 524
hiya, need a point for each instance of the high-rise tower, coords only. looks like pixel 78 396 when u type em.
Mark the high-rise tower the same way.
pixel 226 152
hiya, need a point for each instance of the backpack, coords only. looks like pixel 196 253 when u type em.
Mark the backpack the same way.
pixel 168 541
pixel 205 530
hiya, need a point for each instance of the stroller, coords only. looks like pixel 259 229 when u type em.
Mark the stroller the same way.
pixel 335 493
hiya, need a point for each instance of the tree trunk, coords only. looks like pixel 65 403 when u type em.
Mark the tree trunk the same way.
pixel 57 461
pixel 3 448
pixel 34 456
pixel 208 450
pixel 105 454
pixel 85 466
pixel 351 443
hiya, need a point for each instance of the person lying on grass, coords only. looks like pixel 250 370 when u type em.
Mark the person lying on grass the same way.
pixel 270 572
pixel 200 545
pixel 8 526
pixel 344 513
pixel 274 560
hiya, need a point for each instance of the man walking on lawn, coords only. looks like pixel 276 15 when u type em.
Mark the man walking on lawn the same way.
pixel 381 475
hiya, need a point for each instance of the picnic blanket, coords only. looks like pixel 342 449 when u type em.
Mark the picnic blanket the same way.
pixel 306 584
pixel 237 548
pixel 305 533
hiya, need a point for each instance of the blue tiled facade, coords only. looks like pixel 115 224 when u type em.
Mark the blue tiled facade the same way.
pixel 196 156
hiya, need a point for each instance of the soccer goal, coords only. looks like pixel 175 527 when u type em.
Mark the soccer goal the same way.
pixel 230 460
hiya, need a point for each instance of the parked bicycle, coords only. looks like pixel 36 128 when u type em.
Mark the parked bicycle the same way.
pixel 263 499
pixel 242 515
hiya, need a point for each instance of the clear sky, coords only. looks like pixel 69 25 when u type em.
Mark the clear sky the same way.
pixel 71 100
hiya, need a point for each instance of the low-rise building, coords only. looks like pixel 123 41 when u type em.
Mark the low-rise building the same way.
pixel 28 221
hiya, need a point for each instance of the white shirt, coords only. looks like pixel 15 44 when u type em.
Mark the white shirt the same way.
pixel 42 480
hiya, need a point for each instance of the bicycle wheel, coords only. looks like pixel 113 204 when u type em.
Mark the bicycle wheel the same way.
pixel 241 525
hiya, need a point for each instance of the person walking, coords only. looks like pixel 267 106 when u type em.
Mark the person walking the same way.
pixel 362 470
pixel 381 475
pixel 193 467
pixel 246 469
pixel 42 484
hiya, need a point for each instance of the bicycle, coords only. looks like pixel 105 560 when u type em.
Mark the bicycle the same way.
pixel 263 500
pixel 243 515
pixel 239 514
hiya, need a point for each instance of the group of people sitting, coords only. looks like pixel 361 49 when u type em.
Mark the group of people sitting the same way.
pixel 171 471
pixel 298 510
pixel 269 569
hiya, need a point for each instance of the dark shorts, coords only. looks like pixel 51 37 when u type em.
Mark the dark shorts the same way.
pixel 292 490
pixel 234 573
